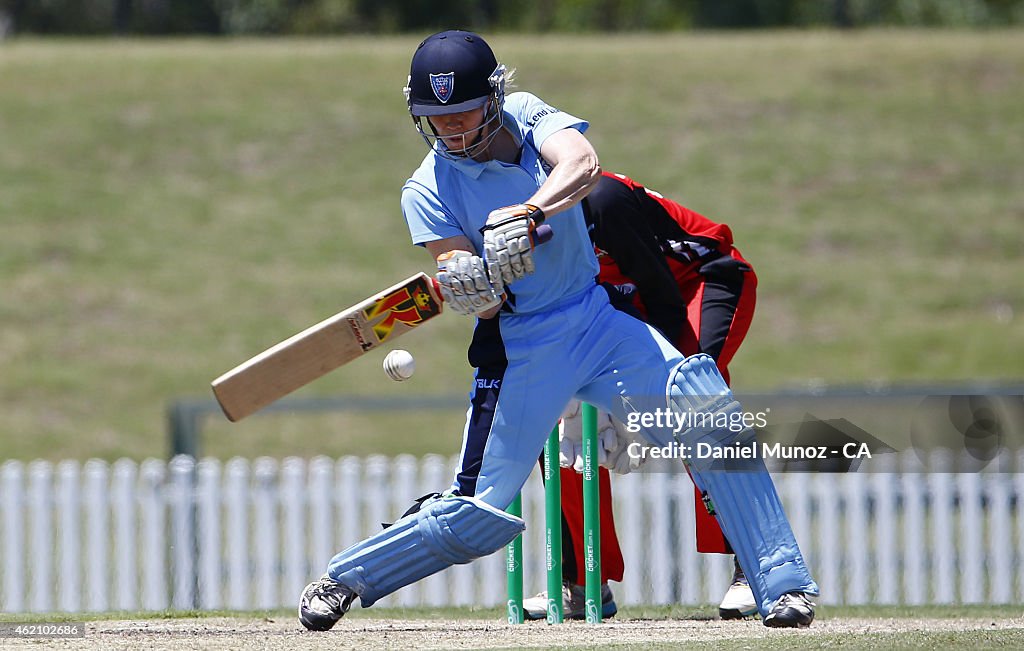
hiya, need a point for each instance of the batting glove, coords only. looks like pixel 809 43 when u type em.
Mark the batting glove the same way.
pixel 464 285
pixel 508 242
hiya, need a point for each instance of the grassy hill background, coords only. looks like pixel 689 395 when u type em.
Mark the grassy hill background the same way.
pixel 170 208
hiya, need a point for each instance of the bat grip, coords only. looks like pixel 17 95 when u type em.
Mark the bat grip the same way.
pixel 542 234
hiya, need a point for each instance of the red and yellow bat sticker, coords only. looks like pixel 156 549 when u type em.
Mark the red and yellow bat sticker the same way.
pixel 410 305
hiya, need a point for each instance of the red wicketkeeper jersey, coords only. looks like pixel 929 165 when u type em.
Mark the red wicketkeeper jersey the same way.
pixel 655 243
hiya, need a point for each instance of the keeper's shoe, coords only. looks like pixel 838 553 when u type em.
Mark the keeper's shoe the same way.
pixel 323 603
pixel 574 600
pixel 536 607
pixel 792 610
pixel 739 599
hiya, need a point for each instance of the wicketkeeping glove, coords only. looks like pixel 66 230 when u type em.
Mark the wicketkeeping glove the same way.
pixel 619 461
pixel 464 285
pixel 508 242
pixel 612 441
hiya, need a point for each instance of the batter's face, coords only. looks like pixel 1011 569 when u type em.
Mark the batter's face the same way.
pixel 459 131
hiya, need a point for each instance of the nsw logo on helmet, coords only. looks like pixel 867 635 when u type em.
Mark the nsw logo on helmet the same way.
pixel 443 85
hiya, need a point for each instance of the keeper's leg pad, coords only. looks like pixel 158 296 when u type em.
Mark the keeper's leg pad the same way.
pixel 445 532
pixel 743 497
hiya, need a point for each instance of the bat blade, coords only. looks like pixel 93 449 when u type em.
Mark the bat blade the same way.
pixel 319 349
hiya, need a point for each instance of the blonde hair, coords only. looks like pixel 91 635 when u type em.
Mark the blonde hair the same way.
pixel 509 78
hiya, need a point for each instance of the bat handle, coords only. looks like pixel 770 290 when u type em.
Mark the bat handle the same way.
pixel 542 234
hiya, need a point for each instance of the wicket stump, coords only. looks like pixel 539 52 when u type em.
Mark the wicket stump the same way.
pixel 553 527
pixel 514 568
pixel 591 515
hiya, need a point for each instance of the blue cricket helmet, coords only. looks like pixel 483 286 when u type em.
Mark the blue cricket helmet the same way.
pixel 451 72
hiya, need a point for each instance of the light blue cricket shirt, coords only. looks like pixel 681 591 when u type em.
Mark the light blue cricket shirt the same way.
pixel 445 198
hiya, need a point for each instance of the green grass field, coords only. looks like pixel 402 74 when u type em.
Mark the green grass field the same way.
pixel 170 208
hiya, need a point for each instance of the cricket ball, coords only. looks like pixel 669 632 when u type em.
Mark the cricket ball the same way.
pixel 399 365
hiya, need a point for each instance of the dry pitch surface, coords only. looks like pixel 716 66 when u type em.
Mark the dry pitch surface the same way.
pixel 368 634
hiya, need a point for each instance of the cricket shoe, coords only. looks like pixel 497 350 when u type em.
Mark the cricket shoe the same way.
pixel 574 603
pixel 323 603
pixel 739 599
pixel 792 610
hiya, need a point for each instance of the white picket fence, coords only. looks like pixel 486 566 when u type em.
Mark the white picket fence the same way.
pixel 250 534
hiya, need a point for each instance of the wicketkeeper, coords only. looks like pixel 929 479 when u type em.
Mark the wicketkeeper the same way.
pixel 678 271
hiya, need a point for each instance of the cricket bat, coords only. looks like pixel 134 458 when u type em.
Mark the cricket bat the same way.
pixel 335 341
pixel 319 349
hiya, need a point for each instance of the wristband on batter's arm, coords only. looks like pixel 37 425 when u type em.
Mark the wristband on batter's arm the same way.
pixel 528 210
pixel 537 217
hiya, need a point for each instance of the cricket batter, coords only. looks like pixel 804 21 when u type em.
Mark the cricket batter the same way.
pixel 680 271
pixel 497 167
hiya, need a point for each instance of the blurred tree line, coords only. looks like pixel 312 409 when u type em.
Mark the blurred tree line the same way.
pixel 98 17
